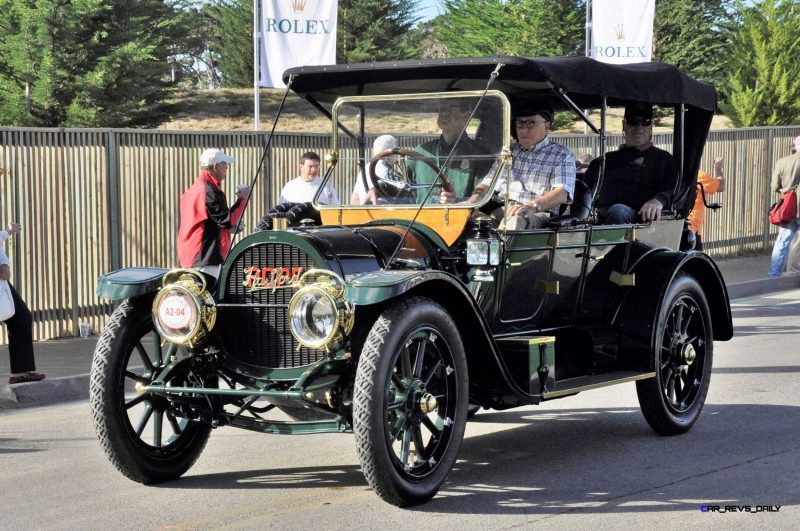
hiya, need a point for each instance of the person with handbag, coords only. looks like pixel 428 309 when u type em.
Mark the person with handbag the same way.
pixel 785 179
pixel 18 320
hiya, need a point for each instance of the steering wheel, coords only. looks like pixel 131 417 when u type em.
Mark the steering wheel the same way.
pixel 390 189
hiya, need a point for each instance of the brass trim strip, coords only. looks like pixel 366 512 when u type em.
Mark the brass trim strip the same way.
pixel 598 385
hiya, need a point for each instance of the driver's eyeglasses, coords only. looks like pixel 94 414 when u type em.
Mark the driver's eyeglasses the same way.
pixel 644 122
pixel 528 124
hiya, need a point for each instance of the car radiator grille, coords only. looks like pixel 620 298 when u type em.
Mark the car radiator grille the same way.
pixel 256 334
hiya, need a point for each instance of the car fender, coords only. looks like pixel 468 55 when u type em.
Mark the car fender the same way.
pixel 637 315
pixel 483 356
pixel 129 282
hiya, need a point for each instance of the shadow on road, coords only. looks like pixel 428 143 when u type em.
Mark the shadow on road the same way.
pixel 15 446
pixel 596 460
pixel 764 307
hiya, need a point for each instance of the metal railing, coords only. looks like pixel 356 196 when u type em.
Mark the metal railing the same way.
pixel 95 200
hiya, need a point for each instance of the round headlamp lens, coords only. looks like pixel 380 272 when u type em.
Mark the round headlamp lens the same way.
pixel 313 318
pixel 177 314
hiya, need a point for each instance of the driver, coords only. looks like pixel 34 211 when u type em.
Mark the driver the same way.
pixel 465 165
pixel 543 173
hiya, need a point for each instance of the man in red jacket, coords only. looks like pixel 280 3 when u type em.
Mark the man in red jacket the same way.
pixel 204 237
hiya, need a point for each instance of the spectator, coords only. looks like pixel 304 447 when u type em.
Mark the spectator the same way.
pixel 204 236
pixel 711 185
pixel 639 179
pixel 469 159
pixel 19 325
pixel 785 177
pixel 360 196
pixel 302 189
pixel 295 201
pixel 543 173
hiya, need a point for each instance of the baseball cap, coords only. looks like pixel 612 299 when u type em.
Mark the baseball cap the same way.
pixel 383 143
pixel 213 156
pixel 642 111
pixel 797 142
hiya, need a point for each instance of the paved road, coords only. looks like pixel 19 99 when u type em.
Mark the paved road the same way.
pixel 583 462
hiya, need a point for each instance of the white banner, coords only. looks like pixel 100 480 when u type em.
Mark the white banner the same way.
pixel 622 31
pixel 295 33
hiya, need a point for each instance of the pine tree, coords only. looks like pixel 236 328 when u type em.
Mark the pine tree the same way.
pixel 694 35
pixel 232 40
pixel 520 27
pixel 85 62
pixel 375 30
pixel 764 79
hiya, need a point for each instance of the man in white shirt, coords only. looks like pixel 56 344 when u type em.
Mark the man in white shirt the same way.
pixel 303 188
pixel 295 200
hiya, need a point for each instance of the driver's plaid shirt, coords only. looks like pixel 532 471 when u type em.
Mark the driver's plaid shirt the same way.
pixel 537 171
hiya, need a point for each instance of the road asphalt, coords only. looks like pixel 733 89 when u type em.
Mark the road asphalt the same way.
pixel 67 362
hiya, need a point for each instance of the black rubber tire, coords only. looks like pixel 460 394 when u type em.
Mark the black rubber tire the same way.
pixel 135 458
pixel 672 401
pixel 373 417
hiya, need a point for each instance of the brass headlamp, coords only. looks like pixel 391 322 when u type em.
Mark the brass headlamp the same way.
pixel 184 311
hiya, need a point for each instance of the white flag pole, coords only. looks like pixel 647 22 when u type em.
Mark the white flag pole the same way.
pixel 256 76
pixel 588 28
pixel 587 48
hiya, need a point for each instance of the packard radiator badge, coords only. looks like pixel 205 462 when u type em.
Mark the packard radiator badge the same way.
pixel 261 278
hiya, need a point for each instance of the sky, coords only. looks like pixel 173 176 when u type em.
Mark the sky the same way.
pixel 428 9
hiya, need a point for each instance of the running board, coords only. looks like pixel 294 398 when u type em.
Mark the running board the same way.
pixel 572 386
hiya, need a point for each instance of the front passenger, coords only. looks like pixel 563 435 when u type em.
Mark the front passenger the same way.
pixel 543 173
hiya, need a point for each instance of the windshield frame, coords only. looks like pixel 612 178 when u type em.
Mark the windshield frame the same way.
pixel 503 155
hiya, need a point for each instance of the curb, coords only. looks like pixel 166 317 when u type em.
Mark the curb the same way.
pixel 45 392
pixel 740 290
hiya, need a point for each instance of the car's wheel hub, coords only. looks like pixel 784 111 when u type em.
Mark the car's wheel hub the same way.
pixel 688 354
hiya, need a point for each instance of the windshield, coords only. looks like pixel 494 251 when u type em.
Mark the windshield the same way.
pixel 415 150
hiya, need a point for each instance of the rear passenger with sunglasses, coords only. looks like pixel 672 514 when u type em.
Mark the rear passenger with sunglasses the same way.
pixel 639 179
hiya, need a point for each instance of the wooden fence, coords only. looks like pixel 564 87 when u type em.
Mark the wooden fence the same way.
pixel 95 200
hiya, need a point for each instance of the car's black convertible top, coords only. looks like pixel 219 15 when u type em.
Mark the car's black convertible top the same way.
pixel 548 80
pixel 585 80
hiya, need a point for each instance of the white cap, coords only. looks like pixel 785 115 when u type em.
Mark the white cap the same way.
pixel 213 156
pixel 383 143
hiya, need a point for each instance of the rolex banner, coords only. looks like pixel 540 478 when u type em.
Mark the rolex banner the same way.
pixel 295 33
pixel 622 30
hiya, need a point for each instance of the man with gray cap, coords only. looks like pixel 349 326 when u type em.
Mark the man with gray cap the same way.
pixel 639 178
pixel 362 195
pixel 204 236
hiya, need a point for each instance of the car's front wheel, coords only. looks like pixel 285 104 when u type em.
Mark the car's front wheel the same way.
pixel 142 434
pixel 410 401
pixel 671 402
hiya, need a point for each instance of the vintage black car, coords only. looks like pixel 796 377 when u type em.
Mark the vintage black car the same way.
pixel 395 319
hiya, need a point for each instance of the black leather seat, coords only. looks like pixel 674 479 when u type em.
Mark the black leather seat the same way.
pixel 580 207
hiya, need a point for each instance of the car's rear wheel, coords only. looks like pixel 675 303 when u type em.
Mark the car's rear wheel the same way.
pixel 144 437
pixel 410 401
pixel 671 402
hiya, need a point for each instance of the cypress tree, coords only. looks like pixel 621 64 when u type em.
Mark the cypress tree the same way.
pixel 764 74
pixel 85 62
